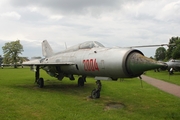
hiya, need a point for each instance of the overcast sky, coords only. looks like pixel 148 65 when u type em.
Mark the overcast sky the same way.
pixel 112 22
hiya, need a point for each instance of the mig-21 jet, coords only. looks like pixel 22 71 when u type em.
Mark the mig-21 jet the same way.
pixel 174 64
pixel 92 59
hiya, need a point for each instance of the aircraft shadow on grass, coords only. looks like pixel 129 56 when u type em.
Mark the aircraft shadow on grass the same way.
pixel 52 86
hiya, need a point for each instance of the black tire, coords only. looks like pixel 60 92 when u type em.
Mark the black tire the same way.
pixel 95 94
pixel 81 81
pixel 40 82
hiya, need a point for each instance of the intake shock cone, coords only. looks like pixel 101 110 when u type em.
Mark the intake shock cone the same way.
pixel 137 63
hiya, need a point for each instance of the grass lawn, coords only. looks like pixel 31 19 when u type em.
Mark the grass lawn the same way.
pixel 164 75
pixel 21 99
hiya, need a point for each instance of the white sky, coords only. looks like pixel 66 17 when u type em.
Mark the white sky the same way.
pixel 111 22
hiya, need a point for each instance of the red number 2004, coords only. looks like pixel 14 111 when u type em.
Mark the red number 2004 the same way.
pixel 90 65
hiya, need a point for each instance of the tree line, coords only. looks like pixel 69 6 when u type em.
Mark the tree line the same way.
pixel 173 51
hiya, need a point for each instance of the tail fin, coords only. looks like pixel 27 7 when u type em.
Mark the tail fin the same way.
pixel 46 49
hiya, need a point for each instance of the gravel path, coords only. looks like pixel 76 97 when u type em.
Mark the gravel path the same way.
pixel 165 86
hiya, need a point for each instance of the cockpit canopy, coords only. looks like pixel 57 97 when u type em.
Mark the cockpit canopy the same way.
pixel 90 44
pixel 173 60
pixel 85 45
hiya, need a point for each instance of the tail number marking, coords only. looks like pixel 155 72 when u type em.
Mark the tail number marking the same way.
pixel 90 65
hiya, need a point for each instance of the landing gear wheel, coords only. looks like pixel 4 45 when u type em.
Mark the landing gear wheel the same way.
pixel 81 81
pixel 95 94
pixel 40 82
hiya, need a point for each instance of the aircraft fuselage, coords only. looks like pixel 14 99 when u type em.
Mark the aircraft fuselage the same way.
pixel 99 62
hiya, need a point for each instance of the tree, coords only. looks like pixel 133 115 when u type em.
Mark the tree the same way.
pixel 160 53
pixel 1 59
pixel 11 52
pixel 173 51
pixel 176 52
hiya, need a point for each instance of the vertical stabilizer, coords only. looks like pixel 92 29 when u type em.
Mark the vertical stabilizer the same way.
pixel 46 49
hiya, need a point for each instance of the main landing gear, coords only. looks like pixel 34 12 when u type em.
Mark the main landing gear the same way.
pixel 96 92
pixel 81 81
pixel 39 81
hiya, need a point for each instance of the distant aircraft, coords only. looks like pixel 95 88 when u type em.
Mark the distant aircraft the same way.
pixel 175 64
pixel 91 59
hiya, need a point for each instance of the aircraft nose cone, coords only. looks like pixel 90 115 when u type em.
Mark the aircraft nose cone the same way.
pixel 137 64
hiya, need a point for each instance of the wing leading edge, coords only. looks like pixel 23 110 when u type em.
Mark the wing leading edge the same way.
pixel 41 62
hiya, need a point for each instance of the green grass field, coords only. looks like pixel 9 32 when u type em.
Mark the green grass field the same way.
pixel 164 75
pixel 21 99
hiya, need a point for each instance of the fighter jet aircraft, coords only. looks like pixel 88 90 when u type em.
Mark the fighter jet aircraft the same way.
pixel 174 64
pixel 92 59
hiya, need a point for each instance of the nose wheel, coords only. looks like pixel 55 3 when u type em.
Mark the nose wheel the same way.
pixel 96 92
